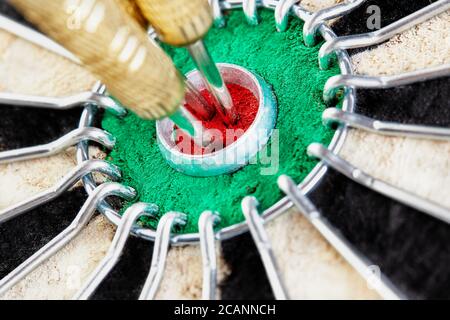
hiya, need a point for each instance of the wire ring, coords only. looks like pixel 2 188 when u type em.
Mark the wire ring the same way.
pixel 250 8
pixel 282 11
pixel 312 179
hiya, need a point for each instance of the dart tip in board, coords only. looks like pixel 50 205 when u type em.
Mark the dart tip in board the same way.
pixel 238 143
pixel 246 105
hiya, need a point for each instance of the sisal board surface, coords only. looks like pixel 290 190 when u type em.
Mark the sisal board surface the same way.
pixel 425 184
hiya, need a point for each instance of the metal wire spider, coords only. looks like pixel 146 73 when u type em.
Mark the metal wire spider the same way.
pixel 341 87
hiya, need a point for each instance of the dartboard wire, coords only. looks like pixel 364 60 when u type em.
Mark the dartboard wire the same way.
pixel 219 21
pixel 336 85
pixel 68 181
pixel 68 140
pixel 334 116
pixel 57 103
pixel 311 25
pixel 62 103
pixel 130 217
pixel 314 176
pixel 264 247
pixel 160 251
pixel 82 154
pixel 332 160
pixel 363 266
pixel 376 37
pixel 206 223
pixel 56 244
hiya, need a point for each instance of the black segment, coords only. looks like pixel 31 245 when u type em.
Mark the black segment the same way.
pixel 391 11
pixel 126 280
pixel 24 235
pixel 410 247
pixel 8 10
pixel 248 279
pixel 24 127
pixel 426 103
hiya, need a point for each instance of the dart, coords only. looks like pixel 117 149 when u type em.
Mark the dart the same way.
pixel 113 46
pixel 198 105
pixel 244 101
pixel 185 23
pixel 109 38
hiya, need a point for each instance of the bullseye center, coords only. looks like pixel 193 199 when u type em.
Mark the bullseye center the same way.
pixel 223 135
pixel 257 107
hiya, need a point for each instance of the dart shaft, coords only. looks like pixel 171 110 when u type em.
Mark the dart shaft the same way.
pixel 202 110
pixel 185 23
pixel 197 102
pixel 188 119
pixel 213 79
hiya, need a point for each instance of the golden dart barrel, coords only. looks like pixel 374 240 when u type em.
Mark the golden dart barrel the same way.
pixel 114 48
pixel 178 22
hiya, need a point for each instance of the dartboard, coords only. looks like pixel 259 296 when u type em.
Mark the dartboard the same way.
pixel 350 201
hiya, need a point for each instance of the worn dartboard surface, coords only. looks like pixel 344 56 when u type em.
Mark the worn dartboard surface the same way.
pixel 409 247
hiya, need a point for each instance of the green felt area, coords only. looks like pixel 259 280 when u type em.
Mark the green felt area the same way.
pixel 285 63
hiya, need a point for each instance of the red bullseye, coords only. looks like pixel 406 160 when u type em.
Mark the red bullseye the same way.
pixel 246 105
pixel 256 109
